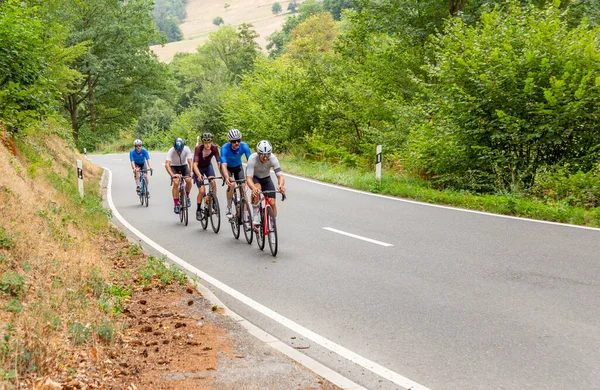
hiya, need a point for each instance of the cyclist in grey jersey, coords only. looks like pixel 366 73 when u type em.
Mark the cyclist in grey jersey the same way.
pixel 258 176
pixel 179 164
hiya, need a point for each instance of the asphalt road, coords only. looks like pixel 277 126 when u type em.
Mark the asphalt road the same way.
pixel 460 300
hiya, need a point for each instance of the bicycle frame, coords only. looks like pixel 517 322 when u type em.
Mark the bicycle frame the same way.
pixel 267 229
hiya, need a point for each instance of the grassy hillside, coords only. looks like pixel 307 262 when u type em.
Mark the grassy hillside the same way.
pixel 200 15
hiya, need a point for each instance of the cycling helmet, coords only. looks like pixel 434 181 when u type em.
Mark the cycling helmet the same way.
pixel 264 147
pixel 178 145
pixel 137 142
pixel 207 136
pixel 234 134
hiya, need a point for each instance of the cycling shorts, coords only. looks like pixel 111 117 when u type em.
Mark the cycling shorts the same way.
pixel 142 166
pixel 181 170
pixel 207 172
pixel 237 172
pixel 266 184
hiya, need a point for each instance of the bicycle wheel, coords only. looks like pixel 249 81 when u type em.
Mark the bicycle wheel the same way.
pixel 181 205
pixel 260 235
pixel 246 218
pixel 272 231
pixel 204 219
pixel 215 213
pixel 235 225
pixel 145 193
pixel 141 194
pixel 184 210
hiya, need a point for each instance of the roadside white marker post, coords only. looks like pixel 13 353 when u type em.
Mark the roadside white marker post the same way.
pixel 378 163
pixel 85 152
pixel 80 177
pixel 197 140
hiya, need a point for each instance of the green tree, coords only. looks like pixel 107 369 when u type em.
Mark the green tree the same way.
pixel 292 6
pixel 120 74
pixel 520 91
pixel 34 66
pixel 276 8
pixel 335 7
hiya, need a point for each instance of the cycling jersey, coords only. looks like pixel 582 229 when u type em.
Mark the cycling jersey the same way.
pixel 202 158
pixel 260 169
pixel 179 160
pixel 233 158
pixel 139 157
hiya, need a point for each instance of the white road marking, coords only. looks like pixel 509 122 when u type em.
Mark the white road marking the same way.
pixel 318 339
pixel 358 237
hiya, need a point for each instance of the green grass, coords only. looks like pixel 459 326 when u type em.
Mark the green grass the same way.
pixel 420 190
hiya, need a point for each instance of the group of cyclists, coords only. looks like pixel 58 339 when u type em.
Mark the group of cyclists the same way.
pixel 182 164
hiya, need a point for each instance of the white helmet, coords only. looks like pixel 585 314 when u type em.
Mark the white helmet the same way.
pixel 137 142
pixel 264 147
pixel 234 134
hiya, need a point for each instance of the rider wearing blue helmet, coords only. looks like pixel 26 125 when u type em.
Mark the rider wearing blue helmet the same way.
pixel 179 164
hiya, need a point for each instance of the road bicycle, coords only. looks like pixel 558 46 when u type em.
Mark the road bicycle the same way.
pixel 183 206
pixel 144 194
pixel 267 226
pixel 242 217
pixel 210 207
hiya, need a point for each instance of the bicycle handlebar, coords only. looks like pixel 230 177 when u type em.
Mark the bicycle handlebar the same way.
pixel 146 170
pixel 283 196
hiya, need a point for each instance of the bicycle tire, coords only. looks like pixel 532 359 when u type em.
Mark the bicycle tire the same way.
pixel 185 214
pixel 145 193
pixel 215 212
pixel 246 219
pixel 260 235
pixel 204 219
pixel 141 194
pixel 181 205
pixel 272 231
pixel 235 225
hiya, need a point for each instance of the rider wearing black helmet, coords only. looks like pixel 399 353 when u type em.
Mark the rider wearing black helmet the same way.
pixel 179 164
pixel 203 155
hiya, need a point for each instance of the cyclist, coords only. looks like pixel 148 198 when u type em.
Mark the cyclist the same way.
pixel 258 176
pixel 140 160
pixel 179 164
pixel 231 162
pixel 203 155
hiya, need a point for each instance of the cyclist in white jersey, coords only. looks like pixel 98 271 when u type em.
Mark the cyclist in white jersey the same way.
pixel 258 176
pixel 179 164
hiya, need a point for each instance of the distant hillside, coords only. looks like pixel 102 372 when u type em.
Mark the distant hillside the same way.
pixel 199 22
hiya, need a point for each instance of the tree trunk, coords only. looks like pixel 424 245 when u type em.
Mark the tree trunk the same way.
pixel 454 6
pixel 92 106
pixel 73 110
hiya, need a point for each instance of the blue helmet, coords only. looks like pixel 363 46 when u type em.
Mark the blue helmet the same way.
pixel 178 145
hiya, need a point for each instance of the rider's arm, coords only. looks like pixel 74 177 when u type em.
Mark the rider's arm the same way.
pixel 196 170
pixel 131 160
pixel 168 168
pixel 189 160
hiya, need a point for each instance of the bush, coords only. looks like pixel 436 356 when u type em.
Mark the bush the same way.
pixel 581 189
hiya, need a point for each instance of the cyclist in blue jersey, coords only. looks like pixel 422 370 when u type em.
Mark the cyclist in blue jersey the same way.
pixel 231 162
pixel 140 160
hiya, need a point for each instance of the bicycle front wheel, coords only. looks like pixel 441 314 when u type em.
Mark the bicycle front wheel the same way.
pixel 272 231
pixel 246 221
pixel 141 194
pixel 181 205
pixel 215 213
pixel 145 193
pixel 260 232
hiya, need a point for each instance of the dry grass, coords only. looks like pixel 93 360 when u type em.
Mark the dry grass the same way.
pixel 47 257
pixel 200 14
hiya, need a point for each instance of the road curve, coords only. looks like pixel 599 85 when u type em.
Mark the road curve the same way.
pixel 447 298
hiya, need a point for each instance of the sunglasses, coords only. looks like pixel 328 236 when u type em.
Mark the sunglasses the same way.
pixel 235 141
pixel 206 139
pixel 138 146
pixel 264 155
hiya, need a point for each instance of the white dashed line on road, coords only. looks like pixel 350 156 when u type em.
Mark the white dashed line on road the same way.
pixel 358 237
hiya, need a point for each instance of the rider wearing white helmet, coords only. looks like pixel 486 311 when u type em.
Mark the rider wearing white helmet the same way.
pixel 258 176
pixel 140 160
